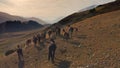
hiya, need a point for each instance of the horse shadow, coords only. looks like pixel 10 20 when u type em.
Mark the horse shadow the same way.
pixel 82 36
pixel 63 64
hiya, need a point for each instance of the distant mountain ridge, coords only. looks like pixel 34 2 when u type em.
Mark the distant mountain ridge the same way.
pixel 93 11
pixel 11 23
pixel 16 26
pixel 37 20
pixel 7 17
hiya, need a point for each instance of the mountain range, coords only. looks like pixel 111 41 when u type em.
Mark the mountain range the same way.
pixel 7 17
pixel 12 23
pixel 17 25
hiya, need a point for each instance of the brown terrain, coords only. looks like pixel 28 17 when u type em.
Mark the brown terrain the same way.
pixel 95 45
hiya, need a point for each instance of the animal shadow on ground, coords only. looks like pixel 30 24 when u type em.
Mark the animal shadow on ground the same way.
pixel 21 64
pixel 63 64
pixel 75 43
pixel 42 44
pixel 82 36
pixel 38 48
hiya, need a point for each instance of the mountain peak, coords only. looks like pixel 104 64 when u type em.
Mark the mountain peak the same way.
pixel 38 20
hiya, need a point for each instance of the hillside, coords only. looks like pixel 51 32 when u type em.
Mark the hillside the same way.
pixel 7 17
pixel 95 45
pixel 101 9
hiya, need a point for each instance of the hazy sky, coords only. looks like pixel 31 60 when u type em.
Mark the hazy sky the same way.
pixel 48 10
